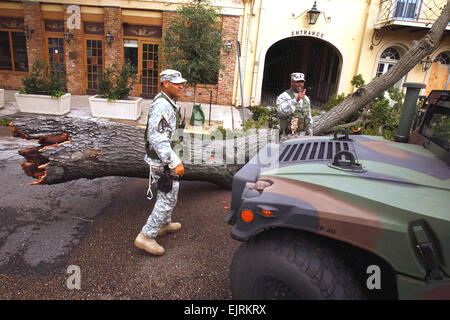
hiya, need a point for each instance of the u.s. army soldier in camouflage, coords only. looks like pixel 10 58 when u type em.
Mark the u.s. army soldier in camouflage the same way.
pixel 294 108
pixel 163 120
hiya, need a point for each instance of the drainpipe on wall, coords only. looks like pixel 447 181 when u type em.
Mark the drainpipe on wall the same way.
pixel 363 39
pixel 244 30
pixel 240 81
pixel 255 61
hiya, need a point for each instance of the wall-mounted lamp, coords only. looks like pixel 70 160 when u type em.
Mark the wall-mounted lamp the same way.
pixel 109 38
pixel 28 33
pixel 426 63
pixel 68 36
pixel 228 46
pixel 313 15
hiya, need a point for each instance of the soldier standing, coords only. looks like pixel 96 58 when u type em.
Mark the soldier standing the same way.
pixel 165 165
pixel 294 108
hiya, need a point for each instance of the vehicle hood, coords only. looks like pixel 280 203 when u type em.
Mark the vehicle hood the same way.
pixel 403 175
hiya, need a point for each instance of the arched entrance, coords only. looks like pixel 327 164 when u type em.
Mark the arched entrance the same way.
pixel 317 59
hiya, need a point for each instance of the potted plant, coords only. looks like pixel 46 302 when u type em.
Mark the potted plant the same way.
pixel 43 92
pixel 113 100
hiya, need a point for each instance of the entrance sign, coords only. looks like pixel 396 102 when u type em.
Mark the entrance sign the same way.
pixel 310 33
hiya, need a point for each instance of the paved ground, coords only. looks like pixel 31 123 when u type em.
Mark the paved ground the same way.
pixel 92 224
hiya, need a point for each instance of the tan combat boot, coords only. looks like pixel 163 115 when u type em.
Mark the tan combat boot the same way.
pixel 148 244
pixel 169 228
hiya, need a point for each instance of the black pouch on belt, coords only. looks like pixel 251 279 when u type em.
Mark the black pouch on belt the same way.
pixel 165 181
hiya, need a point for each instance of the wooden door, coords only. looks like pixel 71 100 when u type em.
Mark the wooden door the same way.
pixel 94 64
pixel 55 51
pixel 131 55
pixel 149 69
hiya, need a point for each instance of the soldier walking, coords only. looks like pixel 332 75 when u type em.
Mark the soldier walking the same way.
pixel 294 108
pixel 165 165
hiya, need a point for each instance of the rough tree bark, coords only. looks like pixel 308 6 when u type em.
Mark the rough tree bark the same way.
pixel 364 95
pixel 72 148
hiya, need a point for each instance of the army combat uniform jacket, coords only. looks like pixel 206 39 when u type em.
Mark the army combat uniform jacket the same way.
pixel 163 121
pixel 288 108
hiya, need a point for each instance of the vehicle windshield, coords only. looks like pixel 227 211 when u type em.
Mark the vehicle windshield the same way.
pixel 437 126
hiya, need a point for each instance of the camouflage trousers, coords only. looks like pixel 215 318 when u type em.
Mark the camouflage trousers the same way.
pixel 162 211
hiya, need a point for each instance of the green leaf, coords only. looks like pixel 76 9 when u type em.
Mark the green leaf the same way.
pixel 42 81
pixel 193 41
pixel 116 82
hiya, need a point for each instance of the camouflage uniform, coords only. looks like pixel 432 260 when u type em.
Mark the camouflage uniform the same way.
pixel 290 112
pixel 162 123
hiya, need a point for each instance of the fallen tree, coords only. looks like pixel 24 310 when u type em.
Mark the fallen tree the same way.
pixel 72 148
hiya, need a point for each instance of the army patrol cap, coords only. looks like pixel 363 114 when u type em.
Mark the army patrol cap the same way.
pixel 297 76
pixel 173 76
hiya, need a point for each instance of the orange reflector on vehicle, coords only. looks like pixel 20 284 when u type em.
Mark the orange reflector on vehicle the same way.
pixel 266 213
pixel 247 216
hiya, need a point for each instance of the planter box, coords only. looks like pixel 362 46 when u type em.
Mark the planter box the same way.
pixel 43 104
pixel 2 98
pixel 129 109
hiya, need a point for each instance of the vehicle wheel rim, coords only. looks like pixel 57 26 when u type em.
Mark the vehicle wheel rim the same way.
pixel 268 288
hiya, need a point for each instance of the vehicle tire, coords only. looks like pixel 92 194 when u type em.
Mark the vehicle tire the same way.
pixel 284 265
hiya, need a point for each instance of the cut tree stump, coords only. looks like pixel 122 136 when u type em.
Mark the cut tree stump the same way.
pixel 74 148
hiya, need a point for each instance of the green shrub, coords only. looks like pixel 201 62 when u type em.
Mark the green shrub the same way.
pixel 315 112
pixel 4 122
pixel 227 134
pixel 334 100
pixel 383 116
pixel 358 81
pixel 116 82
pixel 42 81
pixel 252 124
pixel 262 117
pixel 220 131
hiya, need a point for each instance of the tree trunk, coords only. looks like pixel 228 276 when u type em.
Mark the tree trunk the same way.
pixel 366 94
pixel 72 148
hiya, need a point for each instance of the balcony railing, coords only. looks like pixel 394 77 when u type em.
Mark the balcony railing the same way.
pixel 416 12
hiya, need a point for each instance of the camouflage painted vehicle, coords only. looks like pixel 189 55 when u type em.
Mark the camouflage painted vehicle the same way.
pixel 347 217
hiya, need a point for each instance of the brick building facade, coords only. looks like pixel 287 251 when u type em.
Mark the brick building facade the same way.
pixel 74 58
pixel 81 53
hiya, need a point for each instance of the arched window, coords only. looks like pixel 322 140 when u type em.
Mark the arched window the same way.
pixel 443 58
pixel 388 58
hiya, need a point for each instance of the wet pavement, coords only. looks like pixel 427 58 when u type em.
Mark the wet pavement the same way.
pixel 92 224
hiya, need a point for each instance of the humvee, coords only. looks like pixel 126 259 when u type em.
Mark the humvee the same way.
pixel 347 217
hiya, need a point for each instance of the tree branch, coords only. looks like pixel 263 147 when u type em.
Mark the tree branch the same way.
pixel 361 119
